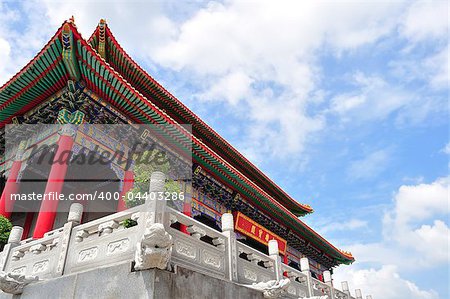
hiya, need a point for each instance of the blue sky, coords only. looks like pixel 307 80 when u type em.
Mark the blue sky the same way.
pixel 344 105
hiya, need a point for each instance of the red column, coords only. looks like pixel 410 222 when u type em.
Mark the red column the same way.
pixel 187 210
pixel 47 212
pixel 128 181
pixel 285 261
pixel 11 187
pixel 27 225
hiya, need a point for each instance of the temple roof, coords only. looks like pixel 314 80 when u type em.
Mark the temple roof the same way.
pixel 116 56
pixel 107 70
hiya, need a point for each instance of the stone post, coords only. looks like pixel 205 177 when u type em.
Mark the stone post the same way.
pixel 15 235
pixel 329 282
pixel 154 247
pixel 358 294
pixel 14 240
pixel 153 210
pixel 275 255
pixel 345 289
pixel 155 203
pixel 73 219
pixel 75 213
pixel 304 267
pixel 231 246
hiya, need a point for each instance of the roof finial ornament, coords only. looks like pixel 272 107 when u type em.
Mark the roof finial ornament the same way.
pixel 102 38
pixel 72 20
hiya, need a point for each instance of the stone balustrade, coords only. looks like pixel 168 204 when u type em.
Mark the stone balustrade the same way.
pixel 320 288
pixel 102 241
pixel 107 241
pixel 203 249
pixel 299 284
pixel 253 266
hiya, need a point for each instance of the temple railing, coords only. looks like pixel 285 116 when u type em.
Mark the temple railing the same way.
pixel 112 240
pixel 201 249
pixel 38 257
pixel 103 241
pixel 298 287
pixel 340 295
pixel 320 288
pixel 253 266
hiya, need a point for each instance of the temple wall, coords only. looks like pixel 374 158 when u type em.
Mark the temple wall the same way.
pixel 119 282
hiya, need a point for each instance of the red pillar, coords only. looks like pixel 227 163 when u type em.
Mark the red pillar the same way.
pixel 187 210
pixel 285 261
pixel 11 187
pixel 27 225
pixel 47 212
pixel 128 181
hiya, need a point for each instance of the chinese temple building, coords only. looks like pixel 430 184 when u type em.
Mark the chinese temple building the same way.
pixel 73 80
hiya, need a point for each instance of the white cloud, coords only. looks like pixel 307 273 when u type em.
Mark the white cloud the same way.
pixel 415 230
pixel 433 69
pixel 20 37
pixel 415 236
pixel 270 37
pixel 228 45
pixel 384 283
pixel 372 98
pixel 370 166
pixel 261 59
pixel 5 50
pixel 233 88
pixel 436 69
pixel 426 20
pixel 446 149
pixel 415 203
pixel 141 26
pixel 348 225
pixel 408 223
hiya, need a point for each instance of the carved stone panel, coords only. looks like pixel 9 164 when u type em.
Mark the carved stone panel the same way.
pixel 20 270
pixel 118 246
pixel 185 249
pixel 40 267
pixel 249 274
pixel 87 254
pixel 211 259
pixel 292 290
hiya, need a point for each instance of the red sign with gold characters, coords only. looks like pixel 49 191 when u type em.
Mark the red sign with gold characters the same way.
pixel 248 227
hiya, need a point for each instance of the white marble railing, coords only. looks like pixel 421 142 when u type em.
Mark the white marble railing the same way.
pixel 253 266
pixel 39 257
pixel 106 241
pixel 202 249
pixel 299 286
pixel 320 288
